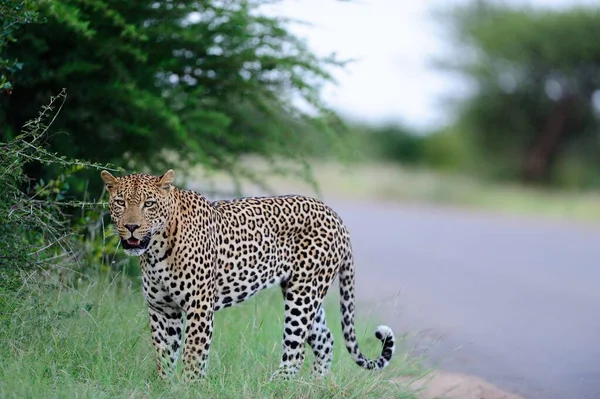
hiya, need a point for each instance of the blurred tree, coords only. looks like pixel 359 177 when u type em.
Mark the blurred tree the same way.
pixel 206 80
pixel 536 75
pixel 393 142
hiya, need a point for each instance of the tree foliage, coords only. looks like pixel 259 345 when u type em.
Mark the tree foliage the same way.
pixel 13 14
pixel 536 74
pixel 205 80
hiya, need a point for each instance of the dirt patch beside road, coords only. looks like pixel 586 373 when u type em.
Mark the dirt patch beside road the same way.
pixel 445 385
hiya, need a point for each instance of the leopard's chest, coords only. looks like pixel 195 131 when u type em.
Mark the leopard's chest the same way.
pixel 156 284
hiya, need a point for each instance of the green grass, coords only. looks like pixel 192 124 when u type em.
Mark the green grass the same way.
pixel 95 343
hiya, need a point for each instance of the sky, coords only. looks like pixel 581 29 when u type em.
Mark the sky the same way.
pixel 393 43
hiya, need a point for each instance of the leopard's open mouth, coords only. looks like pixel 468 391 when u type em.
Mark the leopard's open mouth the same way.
pixel 134 243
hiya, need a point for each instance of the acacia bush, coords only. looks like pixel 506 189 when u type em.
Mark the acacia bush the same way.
pixel 32 221
pixel 159 84
pixel 44 230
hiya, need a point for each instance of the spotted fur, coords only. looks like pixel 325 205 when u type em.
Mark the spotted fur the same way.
pixel 198 257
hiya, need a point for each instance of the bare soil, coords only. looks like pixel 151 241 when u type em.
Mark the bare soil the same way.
pixel 444 385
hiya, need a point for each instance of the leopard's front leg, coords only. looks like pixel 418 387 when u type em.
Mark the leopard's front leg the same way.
pixel 199 329
pixel 166 326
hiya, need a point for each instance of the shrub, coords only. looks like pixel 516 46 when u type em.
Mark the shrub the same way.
pixel 37 234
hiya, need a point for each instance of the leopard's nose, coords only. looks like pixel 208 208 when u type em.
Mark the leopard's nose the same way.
pixel 132 227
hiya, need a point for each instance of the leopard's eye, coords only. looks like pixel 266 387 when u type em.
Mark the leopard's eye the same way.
pixel 149 203
pixel 120 202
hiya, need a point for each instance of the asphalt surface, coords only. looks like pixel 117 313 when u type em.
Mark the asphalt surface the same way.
pixel 514 301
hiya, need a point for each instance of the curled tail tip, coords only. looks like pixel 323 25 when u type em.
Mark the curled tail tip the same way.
pixel 386 336
pixel 384 333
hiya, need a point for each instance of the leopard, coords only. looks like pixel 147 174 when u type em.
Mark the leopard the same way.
pixel 199 256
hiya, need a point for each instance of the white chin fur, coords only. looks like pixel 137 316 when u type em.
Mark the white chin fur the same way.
pixel 134 252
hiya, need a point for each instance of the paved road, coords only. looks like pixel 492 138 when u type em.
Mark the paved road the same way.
pixel 523 295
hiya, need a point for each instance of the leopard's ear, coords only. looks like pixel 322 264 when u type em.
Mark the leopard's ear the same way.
pixel 109 180
pixel 166 180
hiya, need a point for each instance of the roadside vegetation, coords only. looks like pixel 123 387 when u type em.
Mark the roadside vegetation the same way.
pixel 387 182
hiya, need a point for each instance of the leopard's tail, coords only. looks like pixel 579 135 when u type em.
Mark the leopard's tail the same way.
pixel 383 333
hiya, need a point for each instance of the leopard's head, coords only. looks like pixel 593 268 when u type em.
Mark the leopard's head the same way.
pixel 139 207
